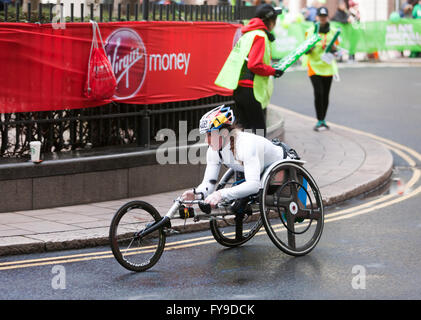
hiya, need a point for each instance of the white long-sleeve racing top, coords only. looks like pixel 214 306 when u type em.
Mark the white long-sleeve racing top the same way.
pixel 253 154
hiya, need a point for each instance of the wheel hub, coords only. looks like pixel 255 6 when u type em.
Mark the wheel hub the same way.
pixel 293 208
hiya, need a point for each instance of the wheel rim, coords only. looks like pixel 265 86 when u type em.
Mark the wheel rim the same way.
pixel 291 195
pixel 229 232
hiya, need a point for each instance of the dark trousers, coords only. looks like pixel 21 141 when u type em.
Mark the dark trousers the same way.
pixel 321 87
pixel 248 110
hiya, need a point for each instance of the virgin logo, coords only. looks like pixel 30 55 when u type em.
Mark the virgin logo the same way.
pixel 127 55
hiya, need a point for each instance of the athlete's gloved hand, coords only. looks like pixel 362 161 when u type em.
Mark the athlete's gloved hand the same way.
pixel 188 195
pixel 214 198
pixel 278 73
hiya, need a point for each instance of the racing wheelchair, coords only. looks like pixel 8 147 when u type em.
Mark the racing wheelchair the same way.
pixel 288 205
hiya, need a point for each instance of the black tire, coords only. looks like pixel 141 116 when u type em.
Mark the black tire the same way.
pixel 236 229
pixel 131 252
pixel 292 209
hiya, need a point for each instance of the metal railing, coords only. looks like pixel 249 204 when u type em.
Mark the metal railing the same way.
pixel 107 12
pixel 116 123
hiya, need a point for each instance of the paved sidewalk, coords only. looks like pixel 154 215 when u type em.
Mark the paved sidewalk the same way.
pixel 343 163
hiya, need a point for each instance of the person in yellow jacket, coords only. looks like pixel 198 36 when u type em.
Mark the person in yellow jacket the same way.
pixel 321 67
pixel 247 70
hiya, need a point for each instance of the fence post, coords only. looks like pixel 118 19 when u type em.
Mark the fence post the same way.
pixel 146 10
pixel 29 11
pixel 238 10
pixel 17 11
pixel 143 131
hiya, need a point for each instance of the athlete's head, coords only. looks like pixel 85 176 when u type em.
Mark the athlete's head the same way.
pixel 216 124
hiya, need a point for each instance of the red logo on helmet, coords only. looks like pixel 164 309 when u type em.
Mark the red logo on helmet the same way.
pixel 127 54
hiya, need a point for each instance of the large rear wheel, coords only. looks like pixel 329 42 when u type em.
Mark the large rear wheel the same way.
pixel 292 209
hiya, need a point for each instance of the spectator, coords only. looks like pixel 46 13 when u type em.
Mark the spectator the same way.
pixel 406 10
pixel 354 11
pixel 312 11
pixel 342 14
pixel 416 12
pixel 354 17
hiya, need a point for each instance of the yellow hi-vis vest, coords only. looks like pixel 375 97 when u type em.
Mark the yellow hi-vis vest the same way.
pixel 314 58
pixel 230 73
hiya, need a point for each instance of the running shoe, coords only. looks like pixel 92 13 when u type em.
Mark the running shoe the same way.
pixel 318 126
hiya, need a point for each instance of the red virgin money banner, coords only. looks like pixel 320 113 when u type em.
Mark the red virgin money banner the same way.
pixel 43 68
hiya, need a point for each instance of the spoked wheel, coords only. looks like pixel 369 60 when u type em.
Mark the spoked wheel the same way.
pixel 130 250
pixel 235 229
pixel 292 209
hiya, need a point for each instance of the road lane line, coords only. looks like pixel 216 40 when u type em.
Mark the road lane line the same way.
pixel 91 253
pixel 380 206
pixel 401 154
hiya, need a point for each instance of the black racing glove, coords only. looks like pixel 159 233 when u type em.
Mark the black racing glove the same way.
pixel 278 73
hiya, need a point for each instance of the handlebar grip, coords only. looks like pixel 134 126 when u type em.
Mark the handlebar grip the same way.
pixel 205 207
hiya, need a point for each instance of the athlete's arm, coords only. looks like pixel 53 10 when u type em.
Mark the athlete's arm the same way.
pixel 211 173
pixel 250 155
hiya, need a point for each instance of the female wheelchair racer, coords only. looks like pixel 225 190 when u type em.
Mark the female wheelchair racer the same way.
pixel 265 184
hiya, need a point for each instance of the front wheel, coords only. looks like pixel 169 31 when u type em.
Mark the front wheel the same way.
pixel 131 251
pixel 292 209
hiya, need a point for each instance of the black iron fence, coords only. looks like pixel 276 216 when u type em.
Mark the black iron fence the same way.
pixel 116 123
pixel 110 125
pixel 22 11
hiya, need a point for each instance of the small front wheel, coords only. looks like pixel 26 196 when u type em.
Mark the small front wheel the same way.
pixel 131 251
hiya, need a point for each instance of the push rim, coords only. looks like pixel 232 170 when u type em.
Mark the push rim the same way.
pixel 235 229
pixel 290 194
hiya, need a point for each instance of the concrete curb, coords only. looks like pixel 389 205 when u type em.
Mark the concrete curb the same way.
pixel 370 176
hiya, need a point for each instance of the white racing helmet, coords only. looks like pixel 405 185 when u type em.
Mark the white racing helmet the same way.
pixel 216 119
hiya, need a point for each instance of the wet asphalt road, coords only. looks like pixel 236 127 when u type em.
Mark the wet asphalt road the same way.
pixel 385 243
